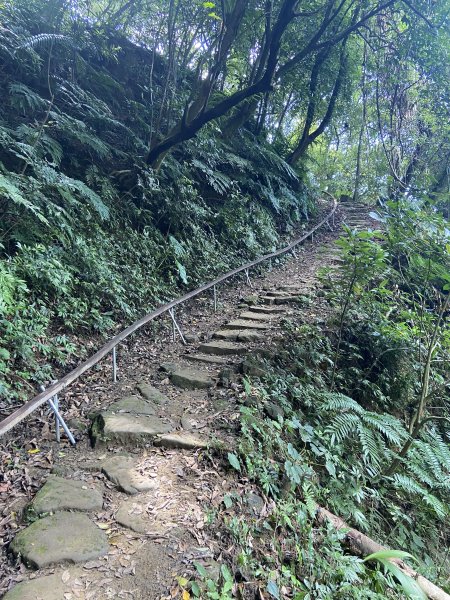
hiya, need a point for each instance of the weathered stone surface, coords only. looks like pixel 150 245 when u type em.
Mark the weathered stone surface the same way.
pixel 249 335
pixel 65 494
pixel 127 428
pixel 226 334
pixel 61 537
pixel 268 310
pixel 251 316
pixel 131 515
pixel 50 587
pixel 190 379
pixel 255 502
pixel 252 367
pixel 168 367
pixel 222 348
pixel 150 393
pixel 121 470
pixel 288 299
pixel 205 358
pixel 273 410
pixel 132 405
pixel 181 439
pixel 277 293
pixel 244 324
pixel 191 338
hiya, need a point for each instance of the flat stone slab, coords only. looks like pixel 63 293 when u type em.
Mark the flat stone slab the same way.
pixel 277 293
pixel 222 348
pixel 190 379
pixel 279 299
pixel 127 428
pixel 208 359
pixel 151 393
pixel 121 470
pixel 253 316
pixel 65 494
pixel 62 537
pixel 268 310
pixel 50 587
pixel 243 324
pixel 182 439
pixel 132 405
pixel 238 335
pixel 131 515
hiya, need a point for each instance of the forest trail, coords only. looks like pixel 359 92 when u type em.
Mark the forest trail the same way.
pixel 132 512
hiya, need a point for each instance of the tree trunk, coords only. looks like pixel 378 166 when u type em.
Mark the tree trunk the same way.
pixel 362 545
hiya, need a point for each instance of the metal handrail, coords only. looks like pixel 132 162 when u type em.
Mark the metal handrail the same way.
pixel 18 415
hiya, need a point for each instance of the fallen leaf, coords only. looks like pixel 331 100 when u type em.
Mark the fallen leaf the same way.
pixel 65 576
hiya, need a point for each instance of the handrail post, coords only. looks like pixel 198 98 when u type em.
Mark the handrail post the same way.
pixel 176 327
pixel 54 405
pixel 57 431
pixel 215 298
pixel 248 278
pixel 114 364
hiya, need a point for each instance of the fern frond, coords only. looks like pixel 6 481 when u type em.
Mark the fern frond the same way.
pixel 43 39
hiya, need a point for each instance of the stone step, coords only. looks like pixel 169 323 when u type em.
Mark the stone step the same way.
pixel 151 393
pixel 280 299
pixel 278 293
pixel 190 379
pixel 238 335
pixel 129 420
pixel 222 348
pixel 66 494
pixel 254 316
pixel 182 439
pixel 268 310
pixel 244 324
pixel 50 587
pixel 62 537
pixel 207 359
pixel 122 471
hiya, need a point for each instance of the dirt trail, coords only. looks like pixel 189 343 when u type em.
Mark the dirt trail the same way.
pixel 131 511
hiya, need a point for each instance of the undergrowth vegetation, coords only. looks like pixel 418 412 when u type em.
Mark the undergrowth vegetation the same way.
pixel 90 236
pixel 353 415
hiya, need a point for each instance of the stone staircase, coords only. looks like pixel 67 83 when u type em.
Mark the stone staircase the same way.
pixel 67 528
pixel 67 531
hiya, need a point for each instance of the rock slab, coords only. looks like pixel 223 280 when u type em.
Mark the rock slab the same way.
pixel 66 494
pixel 182 439
pixel 49 587
pixel 62 537
pixel 121 470
pixel 130 515
pixel 150 393
pixel 222 348
pixel 190 379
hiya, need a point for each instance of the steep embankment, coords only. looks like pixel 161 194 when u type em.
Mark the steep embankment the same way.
pixel 91 236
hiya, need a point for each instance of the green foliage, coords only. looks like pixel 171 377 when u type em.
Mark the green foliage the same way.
pixel 91 236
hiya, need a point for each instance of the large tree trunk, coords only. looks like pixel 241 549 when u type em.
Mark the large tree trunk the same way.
pixel 308 137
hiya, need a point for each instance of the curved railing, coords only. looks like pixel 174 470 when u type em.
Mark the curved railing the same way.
pixel 46 396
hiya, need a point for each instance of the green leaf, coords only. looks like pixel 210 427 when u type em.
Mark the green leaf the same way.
pixel 195 589
pixel 201 570
pixel 234 461
pixel 226 574
pixel 388 554
pixel 273 589
pixel 228 501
